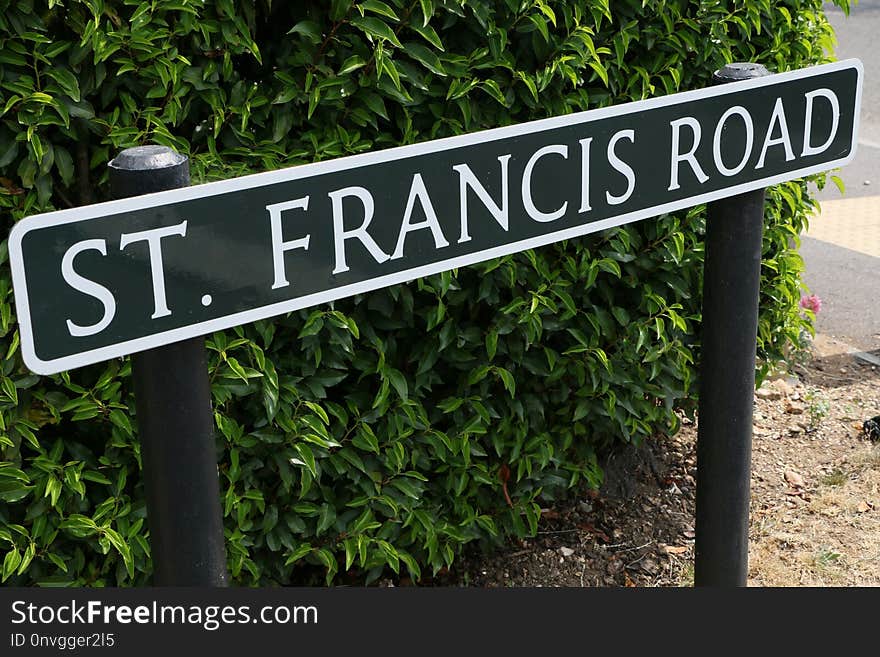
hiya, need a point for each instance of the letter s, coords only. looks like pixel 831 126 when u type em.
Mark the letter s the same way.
pixel 86 286
pixel 15 608
pixel 622 167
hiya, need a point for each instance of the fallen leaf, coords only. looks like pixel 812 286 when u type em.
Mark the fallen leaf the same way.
pixel 649 566
pixel 566 551
pixel 795 408
pixel 674 549
pixel 598 533
pixel 794 479
pixel 768 394
pixel 11 187
pixel 504 475
pixel 864 507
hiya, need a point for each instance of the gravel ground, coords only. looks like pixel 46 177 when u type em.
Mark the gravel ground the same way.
pixel 815 507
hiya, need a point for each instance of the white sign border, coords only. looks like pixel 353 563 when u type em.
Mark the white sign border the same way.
pixel 73 215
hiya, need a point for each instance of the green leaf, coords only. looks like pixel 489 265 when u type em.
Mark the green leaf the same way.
pixel 326 519
pixel 352 64
pixel 11 563
pixel 308 458
pixel 9 471
pixel 541 24
pixel 491 344
pixel 508 380
pixel 378 7
pixel 327 559
pixel 309 29
pixel 427 11
pixel 429 34
pixel 374 103
pixel 385 66
pixel 350 544
pixel 376 28
pixel 53 489
pixel 10 394
pixel 97 477
pixel 363 543
pixel 13 491
pixel 58 561
pixel 411 565
pixel 298 553
pixel 600 71
pixel 237 369
pixel 390 553
pixel 67 81
pixel 399 382
pixel 365 439
pixel 79 524
pixel 313 324
pixel 8 156
pixel 610 266
pixel 319 411
pixel 122 547
pixel 478 374
pixel 407 487
pixel 120 419
pixel 427 57
pixel 530 85
pixel 491 87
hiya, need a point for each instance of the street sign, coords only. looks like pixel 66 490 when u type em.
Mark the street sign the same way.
pixel 105 280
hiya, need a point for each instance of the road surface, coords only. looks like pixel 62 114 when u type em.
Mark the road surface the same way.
pixel 842 247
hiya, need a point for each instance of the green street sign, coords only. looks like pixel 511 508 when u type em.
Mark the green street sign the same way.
pixel 105 280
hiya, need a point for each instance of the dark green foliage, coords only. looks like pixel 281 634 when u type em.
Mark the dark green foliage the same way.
pixel 388 430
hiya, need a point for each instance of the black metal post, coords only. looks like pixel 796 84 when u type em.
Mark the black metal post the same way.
pixel 175 420
pixel 731 285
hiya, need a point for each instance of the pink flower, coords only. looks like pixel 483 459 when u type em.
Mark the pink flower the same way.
pixel 811 302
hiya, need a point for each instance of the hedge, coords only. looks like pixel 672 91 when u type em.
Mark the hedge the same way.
pixel 379 435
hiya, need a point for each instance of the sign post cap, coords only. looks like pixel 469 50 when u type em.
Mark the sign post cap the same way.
pixel 736 71
pixel 147 169
pixel 147 158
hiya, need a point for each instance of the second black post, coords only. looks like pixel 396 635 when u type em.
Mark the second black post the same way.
pixel 731 287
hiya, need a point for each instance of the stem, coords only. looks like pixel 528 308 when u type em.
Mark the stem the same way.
pixel 83 186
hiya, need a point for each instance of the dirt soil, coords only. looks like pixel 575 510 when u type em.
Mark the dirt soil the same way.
pixel 815 497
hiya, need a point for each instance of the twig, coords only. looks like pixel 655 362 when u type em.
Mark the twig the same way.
pixel 633 549
pixel 84 188
pixel 64 197
pixel 634 562
pixel 520 553
pixel 614 545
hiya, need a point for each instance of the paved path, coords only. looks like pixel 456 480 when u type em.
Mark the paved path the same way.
pixel 841 250
pixel 842 247
pixel 857 37
pixel 850 223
